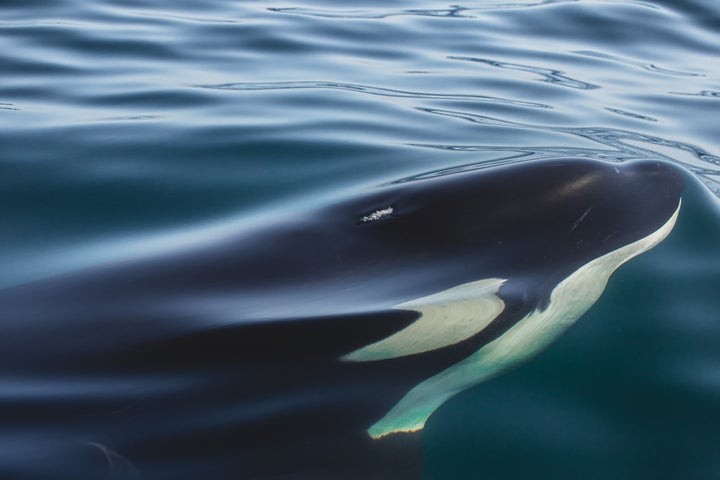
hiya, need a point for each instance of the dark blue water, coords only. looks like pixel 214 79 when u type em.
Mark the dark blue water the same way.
pixel 130 131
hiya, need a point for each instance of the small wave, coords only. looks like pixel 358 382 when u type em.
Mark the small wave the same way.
pixel 370 90
pixel 125 118
pixel 650 67
pixel 702 93
pixel 185 18
pixel 548 75
pixel 636 116
pixel 628 143
pixel 452 11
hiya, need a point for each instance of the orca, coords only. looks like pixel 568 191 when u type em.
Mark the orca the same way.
pixel 318 346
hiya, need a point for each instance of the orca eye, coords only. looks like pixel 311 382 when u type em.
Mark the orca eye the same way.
pixel 377 214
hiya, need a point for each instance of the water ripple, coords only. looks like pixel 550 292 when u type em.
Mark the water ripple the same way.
pixel 185 18
pixel 452 11
pixel 645 66
pixel 457 11
pixel 702 93
pixel 548 75
pixel 702 163
pixel 636 116
pixel 380 91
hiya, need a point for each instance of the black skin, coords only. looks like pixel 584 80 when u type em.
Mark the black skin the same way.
pixel 291 408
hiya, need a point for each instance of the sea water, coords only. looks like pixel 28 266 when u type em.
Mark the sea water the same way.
pixel 128 128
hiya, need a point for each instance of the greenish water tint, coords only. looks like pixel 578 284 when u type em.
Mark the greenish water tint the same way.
pixel 631 391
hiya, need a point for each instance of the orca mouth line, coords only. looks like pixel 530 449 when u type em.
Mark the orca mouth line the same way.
pixel 457 314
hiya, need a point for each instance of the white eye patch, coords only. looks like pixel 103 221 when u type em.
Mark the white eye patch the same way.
pixel 446 318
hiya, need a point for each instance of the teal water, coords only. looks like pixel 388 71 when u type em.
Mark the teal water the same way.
pixel 129 129
pixel 631 391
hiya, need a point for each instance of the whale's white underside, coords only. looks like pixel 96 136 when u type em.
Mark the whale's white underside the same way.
pixel 460 312
pixel 456 314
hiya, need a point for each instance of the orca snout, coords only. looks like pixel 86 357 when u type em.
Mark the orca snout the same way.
pixel 663 178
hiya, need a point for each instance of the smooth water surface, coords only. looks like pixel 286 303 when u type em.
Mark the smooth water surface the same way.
pixel 130 130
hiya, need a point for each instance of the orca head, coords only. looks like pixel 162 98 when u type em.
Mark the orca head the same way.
pixel 549 236
pixel 536 221
pixel 592 209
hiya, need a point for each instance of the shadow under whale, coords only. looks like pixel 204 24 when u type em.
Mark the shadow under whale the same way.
pixel 317 347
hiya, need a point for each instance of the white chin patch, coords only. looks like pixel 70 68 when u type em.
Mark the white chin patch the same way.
pixel 568 301
pixel 446 318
